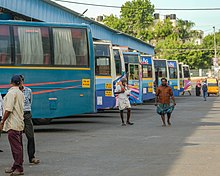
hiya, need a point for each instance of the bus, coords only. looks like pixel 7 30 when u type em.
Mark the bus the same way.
pixel 105 74
pixel 173 76
pixel 161 71
pixel 181 81
pixel 148 77
pixel 57 61
pixel 134 76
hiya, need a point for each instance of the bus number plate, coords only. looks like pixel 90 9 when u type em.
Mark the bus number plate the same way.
pixel 108 93
pixel 108 86
pixel 86 83
pixel 150 89
pixel 150 84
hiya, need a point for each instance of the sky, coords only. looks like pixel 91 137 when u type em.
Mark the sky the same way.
pixel 204 20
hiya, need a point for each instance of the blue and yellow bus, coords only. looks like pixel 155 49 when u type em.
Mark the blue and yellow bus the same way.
pixel 161 71
pixel 173 76
pixel 134 76
pixel 148 77
pixel 57 61
pixel 105 74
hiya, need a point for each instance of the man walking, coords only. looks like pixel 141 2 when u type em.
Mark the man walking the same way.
pixel 163 94
pixel 123 101
pixel 28 124
pixel 13 124
pixel 204 90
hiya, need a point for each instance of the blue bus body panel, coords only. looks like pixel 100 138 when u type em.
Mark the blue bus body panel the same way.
pixel 56 93
pixel 105 99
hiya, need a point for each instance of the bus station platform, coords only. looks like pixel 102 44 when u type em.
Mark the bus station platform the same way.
pixel 97 144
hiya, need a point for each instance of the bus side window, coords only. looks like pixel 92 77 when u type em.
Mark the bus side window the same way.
pixel 5 43
pixel 31 45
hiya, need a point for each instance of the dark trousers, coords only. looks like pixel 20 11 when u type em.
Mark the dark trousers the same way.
pixel 29 132
pixel 15 140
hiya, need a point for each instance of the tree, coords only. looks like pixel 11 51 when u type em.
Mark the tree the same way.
pixel 113 22
pixel 171 40
pixel 135 19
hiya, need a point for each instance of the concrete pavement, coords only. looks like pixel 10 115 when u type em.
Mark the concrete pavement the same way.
pixel 96 144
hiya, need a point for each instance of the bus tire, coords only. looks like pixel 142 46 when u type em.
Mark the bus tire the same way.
pixel 208 95
pixel 43 121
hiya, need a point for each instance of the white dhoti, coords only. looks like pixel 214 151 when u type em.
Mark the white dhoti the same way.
pixel 123 103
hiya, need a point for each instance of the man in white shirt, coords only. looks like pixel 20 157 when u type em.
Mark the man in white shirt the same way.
pixel 123 101
pixel 13 124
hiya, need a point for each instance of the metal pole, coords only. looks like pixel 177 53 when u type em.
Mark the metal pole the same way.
pixel 215 42
pixel 215 61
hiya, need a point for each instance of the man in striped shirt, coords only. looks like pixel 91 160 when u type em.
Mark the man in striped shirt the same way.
pixel 28 124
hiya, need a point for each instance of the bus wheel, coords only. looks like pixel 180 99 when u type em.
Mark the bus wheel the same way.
pixel 41 121
pixel 208 95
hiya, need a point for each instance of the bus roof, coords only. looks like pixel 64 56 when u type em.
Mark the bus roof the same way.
pixel 24 23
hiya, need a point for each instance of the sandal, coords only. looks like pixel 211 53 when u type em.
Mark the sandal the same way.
pixel 130 123
pixel 9 170
pixel 35 161
pixel 16 172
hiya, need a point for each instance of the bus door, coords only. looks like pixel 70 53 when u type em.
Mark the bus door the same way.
pixel 173 76
pixel 181 82
pixel 135 83
pixel 186 78
pixel 147 78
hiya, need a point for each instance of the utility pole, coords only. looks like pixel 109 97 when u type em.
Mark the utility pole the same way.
pixel 215 59
pixel 214 42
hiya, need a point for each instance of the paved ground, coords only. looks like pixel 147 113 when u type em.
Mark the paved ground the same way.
pixel 96 145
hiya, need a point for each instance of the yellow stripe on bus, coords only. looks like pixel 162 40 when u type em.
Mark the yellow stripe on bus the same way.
pixel 43 68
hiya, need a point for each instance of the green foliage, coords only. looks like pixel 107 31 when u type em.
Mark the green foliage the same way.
pixel 172 41
pixel 113 22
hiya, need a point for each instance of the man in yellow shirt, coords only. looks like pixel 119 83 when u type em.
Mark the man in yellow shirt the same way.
pixel 13 124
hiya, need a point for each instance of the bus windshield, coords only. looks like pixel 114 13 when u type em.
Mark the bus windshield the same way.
pixel 186 72
pixel 180 71
pixel 117 62
pixel 160 68
pixel 131 58
pixel 173 73
pixel 133 72
pixel 147 71
pixel 102 59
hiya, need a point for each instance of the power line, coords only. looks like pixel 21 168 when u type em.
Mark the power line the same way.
pixel 111 6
